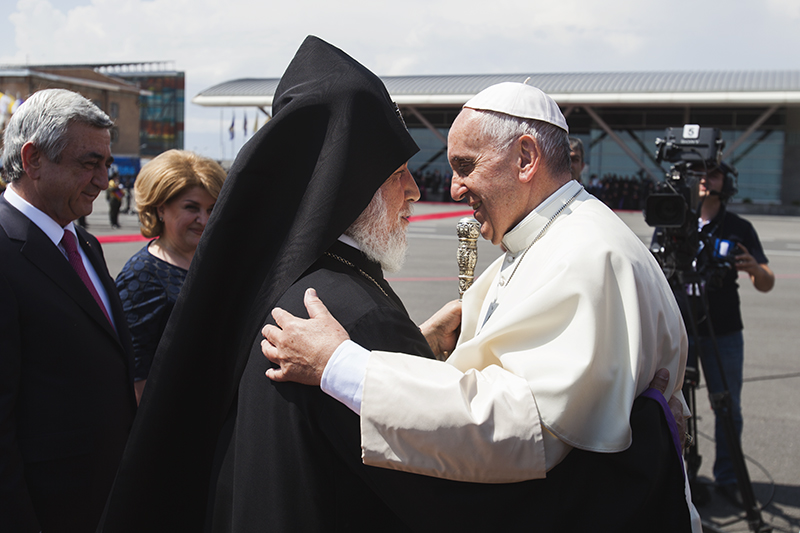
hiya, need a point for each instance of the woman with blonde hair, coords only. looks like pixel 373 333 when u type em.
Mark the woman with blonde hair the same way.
pixel 175 193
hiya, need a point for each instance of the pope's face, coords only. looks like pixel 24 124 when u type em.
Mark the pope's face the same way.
pixel 486 177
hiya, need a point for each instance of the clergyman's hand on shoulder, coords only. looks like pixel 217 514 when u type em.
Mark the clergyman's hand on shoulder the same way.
pixel 442 329
pixel 302 348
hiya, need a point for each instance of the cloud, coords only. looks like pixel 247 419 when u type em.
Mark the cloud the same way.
pixel 215 41
pixel 785 8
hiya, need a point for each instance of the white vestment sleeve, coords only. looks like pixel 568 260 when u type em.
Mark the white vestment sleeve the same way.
pixel 343 377
pixel 483 426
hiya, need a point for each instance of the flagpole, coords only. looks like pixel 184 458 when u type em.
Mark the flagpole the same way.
pixel 221 141
pixel 233 129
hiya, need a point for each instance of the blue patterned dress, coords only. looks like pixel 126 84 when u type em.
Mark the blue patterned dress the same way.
pixel 148 287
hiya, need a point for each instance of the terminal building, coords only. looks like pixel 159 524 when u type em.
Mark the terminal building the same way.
pixel 618 116
pixel 161 106
pixel 145 100
pixel 118 98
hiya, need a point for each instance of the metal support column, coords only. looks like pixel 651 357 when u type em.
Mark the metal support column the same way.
pixel 427 124
pixel 619 141
pixel 753 127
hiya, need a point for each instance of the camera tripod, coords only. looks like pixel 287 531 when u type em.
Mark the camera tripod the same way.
pixel 720 401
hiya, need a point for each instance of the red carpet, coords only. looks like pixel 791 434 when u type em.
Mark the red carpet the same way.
pixel 436 216
pixel 111 239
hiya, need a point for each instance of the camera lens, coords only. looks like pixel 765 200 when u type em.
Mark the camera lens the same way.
pixel 665 210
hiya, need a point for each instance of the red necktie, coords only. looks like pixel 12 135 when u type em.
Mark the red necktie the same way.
pixel 74 256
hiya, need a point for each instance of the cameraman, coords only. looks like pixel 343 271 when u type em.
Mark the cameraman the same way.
pixel 716 222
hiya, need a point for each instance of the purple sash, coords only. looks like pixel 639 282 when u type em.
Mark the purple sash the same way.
pixel 656 395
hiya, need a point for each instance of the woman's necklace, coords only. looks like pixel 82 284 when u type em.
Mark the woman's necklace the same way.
pixel 348 263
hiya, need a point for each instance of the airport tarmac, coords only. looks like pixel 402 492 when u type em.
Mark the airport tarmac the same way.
pixel 771 396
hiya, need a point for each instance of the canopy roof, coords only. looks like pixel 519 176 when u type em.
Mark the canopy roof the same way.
pixel 85 77
pixel 601 88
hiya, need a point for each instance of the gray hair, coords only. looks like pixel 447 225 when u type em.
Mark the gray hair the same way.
pixel 43 120
pixel 503 130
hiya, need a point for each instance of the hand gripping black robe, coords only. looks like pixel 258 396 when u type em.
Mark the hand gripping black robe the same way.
pixel 218 447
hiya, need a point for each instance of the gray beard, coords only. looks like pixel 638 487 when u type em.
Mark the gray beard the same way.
pixel 381 238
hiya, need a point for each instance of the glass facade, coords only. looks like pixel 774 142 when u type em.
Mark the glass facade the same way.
pixel 759 160
pixel 429 166
pixel 162 112
pixel 432 156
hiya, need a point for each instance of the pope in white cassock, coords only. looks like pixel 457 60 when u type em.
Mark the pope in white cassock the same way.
pixel 557 338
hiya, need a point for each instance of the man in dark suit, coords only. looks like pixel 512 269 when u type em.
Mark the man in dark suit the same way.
pixel 66 392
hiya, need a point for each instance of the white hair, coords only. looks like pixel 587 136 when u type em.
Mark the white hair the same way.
pixel 380 235
pixel 503 130
pixel 43 120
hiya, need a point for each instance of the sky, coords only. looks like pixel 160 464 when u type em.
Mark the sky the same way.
pixel 215 41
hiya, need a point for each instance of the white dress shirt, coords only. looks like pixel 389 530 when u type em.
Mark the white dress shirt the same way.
pixel 55 232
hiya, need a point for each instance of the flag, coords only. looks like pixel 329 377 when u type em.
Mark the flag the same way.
pixel 245 124
pixel 6 101
pixel 233 123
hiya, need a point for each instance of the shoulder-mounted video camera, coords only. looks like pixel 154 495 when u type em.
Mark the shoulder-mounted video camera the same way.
pixel 693 152
pixel 688 148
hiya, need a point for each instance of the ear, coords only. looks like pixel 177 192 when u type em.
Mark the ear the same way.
pixel 530 158
pixel 32 159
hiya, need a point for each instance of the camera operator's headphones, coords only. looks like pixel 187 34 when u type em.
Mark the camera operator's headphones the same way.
pixel 730 176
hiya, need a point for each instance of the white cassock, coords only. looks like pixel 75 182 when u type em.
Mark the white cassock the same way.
pixel 570 340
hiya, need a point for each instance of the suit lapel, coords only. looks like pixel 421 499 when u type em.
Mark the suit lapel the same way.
pixel 98 262
pixel 92 249
pixel 37 248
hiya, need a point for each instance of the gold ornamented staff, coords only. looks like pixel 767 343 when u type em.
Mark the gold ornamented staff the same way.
pixel 468 230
